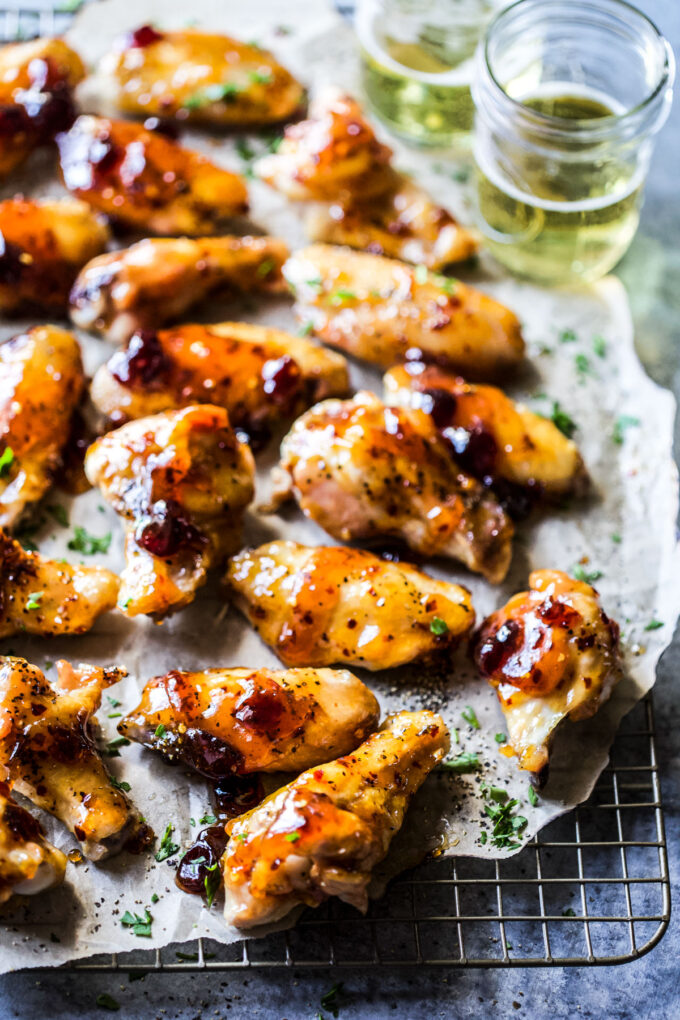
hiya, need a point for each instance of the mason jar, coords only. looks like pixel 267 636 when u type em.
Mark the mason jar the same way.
pixel 569 96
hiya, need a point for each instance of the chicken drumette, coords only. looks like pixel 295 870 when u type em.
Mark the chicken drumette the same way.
pixel 181 481
pixel 28 863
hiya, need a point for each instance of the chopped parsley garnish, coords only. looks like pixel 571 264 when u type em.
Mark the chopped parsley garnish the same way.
pixel 211 883
pixel 83 542
pixel 568 336
pixel 120 784
pixel 562 420
pixel 274 143
pixel 103 1000
pixel 111 749
pixel 654 625
pixel 501 738
pixel 113 702
pixel 568 912
pixel 439 626
pixel 26 537
pixel 533 796
pixel 470 717
pixel 167 848
pixel 208 819
pixel 292 837
pixel 506 824
pixel 34 598
pixel 48 664
pixel 159 731
pixel 306 329
pixel 242 837
pixel 6 458
pixel 616 537
pixel 447 283
pixel 315 282
pixel 421 274
pixel 155 897
pixel 338 297
pixel 218 93
pixel 621 426
pixel 483 836
pixel 579 573
pixel 244 149
pixel 454 735
pixel 265 268
pixel 600 346
pixel 261 77
pixel 59 514
pixel 466 762
pixel 583 367
pixel 141 926
pixel 329 1001
pixel 189 957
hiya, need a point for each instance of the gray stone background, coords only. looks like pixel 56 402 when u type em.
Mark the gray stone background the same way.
pixel 649 987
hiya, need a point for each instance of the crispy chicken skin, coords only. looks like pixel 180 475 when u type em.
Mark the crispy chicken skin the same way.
pixel 28 863
pixel 260 375
pixel 43 244
pixel 201 77
pixel 323 834
pixel 384 311
pixel 551 653
pixel 225 722
pixel 492 437
pixel 366 471
pixel 36 82
pixel 158 279
pixel 145 180
pixel 332 604
pixel 41 596
pixel 334 157
pixel 41 380
pixel 181 481
pixel 48 753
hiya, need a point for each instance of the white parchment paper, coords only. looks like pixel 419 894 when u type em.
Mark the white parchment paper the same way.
pixel 634 500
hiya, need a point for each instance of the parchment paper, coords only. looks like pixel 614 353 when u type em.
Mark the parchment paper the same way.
pixel 635 498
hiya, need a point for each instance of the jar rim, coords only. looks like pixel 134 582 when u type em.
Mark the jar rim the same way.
pixel 599 124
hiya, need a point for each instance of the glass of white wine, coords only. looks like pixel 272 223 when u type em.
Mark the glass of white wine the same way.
pixel 569 97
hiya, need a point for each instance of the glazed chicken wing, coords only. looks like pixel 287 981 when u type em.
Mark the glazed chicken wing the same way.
pixel 225 722
pixel 260 375
pixel 158 279
pixel 47 751
pixel 364 471
pixel 43 244
pixel 332 604
pixel 181 481
pixel 41 380
pixel 384 311
pixel 551 653
pixel 36 82
pixel 502 443
pixel 334 157
pixel 40 596
pixel 145 180
pixel 28 863
pixel 323 834
pixel 202 77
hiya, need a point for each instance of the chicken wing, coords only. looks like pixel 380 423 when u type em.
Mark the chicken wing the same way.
pixel 316 607
pixel 181 481
pixel 202 77
pixel 502 443
pixel 384 311
pixel 48 752
pixel 40 596
pixel 334 157
pixel 323 834
pixel 43 244
pixel 551 653
pixel 158 279
pixel 41 380
pixel 36 82
pixel 225 722
pixel 364 471
pixel 28 863
pixel 145 180
pixel 260 375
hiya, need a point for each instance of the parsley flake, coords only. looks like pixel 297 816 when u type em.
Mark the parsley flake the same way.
pixel 208 819
pixel 104 1000
pixel 167 848
pixel 579 573
pixel 211 884
pixel 466 762
pixel 470 717
pixel 159 732
pixel 501 738
pixel 562 420
pixel 120 784
pixel 568 336
pixel 59 513
pixel 83 542
pixel 6 458
pixel 621 426
pixel 329 1001
pixel 533 796
pixel 654 625
pixel 438 626
pixel 141 926
pixel 34 598
pixel 292 837
pixel 600 346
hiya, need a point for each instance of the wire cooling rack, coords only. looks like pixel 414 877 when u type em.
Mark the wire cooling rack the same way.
pixel 591 888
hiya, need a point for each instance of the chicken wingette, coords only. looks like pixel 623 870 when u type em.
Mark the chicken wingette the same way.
pixel 385 311
pixel 49 755
pixel 224 722
pixel 41 381
pixel 366 471
pixel 262 376
pixel 28 863
pixel 146 181
pixel 200 76
pixel 321 606
pixel 158 279
pixel 323 834
pixel 551 653
pixel 180 481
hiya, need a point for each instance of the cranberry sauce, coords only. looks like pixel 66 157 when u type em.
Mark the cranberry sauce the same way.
pixel 282 380
pixel 167 530
pixel 234 795
pixel 199 863
pixel 494 652
pixel 143 36
pixel 142 364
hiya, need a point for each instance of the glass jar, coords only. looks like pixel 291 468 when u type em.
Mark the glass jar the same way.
pixel 569 96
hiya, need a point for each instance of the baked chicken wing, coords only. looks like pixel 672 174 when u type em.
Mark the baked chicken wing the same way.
pixel 41 380
pixel 181 481
pixel 48 752
pixel 41 596
pixel 323 834
pixel 225 722
pixel 28 863
pixel 331 604
pixel 36 83
pixel 43 244
pixel 384 311
pixel 145 180
pixel 551 653
pixel 158 279
pixel 260 375
pixel 502 443
pixel 202 77
pixel 365 471
pixel 334 157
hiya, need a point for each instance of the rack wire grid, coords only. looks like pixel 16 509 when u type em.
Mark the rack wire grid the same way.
pixel 591 888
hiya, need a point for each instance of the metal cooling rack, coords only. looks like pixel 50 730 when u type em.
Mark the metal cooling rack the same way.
pixel 591 888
